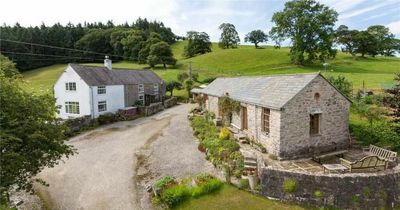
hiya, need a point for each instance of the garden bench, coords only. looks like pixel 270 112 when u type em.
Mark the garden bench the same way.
pixel 339 153
pixel 382 153
pixel 372 161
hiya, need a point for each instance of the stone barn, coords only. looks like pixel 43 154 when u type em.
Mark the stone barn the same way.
pixel 293 116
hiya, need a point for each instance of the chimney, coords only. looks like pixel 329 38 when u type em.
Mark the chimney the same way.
pixel 108 63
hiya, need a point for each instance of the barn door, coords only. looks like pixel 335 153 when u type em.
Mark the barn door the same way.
pixel 244 118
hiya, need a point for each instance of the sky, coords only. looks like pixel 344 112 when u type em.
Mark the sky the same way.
pixel 199 15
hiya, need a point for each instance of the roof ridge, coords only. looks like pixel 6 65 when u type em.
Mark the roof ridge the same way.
pixel 102 67
pixel 271 75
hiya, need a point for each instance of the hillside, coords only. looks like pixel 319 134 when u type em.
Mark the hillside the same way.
pixel 246 60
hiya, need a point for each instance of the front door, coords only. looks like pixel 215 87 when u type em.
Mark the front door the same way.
pixel 244 118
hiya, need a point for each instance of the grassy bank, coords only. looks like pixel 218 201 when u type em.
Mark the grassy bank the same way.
pixel 375 73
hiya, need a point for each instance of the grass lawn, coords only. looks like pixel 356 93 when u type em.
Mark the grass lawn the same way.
pixel 231 198
pixel 246 60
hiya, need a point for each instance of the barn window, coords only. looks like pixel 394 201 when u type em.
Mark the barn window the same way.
pixel 102 106
pixel 155 88
pixel 72 107
pixel 101 89
pixel 265 119
pixel 314 123
pixel 141 88
pixel 316 96
pixel 71 86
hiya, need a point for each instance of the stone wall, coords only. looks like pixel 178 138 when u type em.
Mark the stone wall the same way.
pixel 296 141
pixel 170 102
pixel 344 191
pixel 212 105
pixel 151 109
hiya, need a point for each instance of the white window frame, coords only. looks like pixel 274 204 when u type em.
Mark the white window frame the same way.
pixel 72 107
pixel 140 88
pixel 70 86
pixel 156 88
pixel 101 90
pixel 102 106
pixel 141 95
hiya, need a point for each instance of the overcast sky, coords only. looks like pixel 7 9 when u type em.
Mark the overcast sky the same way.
pixel 185 15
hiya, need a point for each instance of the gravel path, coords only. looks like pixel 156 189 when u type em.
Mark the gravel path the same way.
pixel 114 162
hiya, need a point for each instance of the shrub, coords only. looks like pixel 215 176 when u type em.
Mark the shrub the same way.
pixel 289 186
pixel 106 118
pixel 318 194
pixel 206 187
pixel 175 194
pixel 162 183
pixel 224 134
pixel 244 184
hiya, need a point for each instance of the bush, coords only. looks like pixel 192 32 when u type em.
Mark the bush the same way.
pixel 289 186
pixel 163 182
pixel 224 134
pixel 175 194
pixel 106 119
pixel 244 184
pixel 206 187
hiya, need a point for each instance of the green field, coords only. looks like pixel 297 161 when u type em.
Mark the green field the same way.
pixel 375 73
pixel 231 198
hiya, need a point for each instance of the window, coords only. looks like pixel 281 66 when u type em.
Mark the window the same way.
pixel 71 86
pixel 141 88
pixel 314 123
pixel 72 107
pixel 316 96
pixel 141 98
pixel 265 119
pixel 101 89
pixel 102 106
pixel 155 88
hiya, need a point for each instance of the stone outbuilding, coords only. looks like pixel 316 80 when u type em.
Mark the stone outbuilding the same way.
pixel 293 116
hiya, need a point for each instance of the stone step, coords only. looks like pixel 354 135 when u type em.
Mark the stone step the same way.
pixel 250 163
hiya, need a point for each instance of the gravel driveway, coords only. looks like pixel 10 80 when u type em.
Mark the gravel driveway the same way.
pixel 115 162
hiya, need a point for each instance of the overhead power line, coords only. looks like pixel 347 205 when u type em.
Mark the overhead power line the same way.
pixel 44 55
pixel 62 48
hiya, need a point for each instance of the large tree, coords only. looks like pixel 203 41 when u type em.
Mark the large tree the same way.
pixel 256 37
pixel 392 100
pixel 161 53
pixel 366 44
pixel 347 38
pixel 198 43
pixel 145 48
pixel 31 138
pixel 309 26
pixel 229 36
pixel 386 43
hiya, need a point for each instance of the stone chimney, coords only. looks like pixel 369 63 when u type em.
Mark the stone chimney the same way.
pixel 108 63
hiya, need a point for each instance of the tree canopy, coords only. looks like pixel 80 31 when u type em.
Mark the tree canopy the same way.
pixel 229 36
pixel 198 43
pixel 161 53
pixel 256 37
pixel 309 26
pixel 31 136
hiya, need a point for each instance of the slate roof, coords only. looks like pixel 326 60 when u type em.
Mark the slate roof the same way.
pixel 98 75
pixel 272 91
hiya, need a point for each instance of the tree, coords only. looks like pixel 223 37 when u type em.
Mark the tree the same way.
pixel 133 43
pixel 188 84
pixel 392 100
pixel 347 38
pixel 255 37
pixel 171 85
pixel 198 43
pixel 342 84
pixel 145 49
pixel 161 53
pixel 31 138
pixel 386 43
pixel 309 26
pixel 182 76
pixel 7 68
pixel 366 44
pixel 229 36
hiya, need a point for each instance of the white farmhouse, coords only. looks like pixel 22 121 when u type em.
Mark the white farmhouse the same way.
pixel 90 90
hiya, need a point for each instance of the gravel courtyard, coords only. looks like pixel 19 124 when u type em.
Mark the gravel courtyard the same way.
pixel 116 162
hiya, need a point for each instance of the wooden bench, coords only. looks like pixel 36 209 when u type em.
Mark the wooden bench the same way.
pixel 339 153
pixel 382 153
pixel 372 161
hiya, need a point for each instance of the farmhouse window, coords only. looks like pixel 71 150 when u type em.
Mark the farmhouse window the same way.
pixel 72 107
pixel 314 123
pixel 155 88
pixel 71 86
pixel 102 106
pixel 265 119
pixel 101 90
pixel 141 98
pixel 141 88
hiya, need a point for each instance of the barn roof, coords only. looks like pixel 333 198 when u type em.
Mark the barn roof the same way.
pixel 98 75
pixel 272 91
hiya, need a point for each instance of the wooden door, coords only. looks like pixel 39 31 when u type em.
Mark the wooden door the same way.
pixel 244 118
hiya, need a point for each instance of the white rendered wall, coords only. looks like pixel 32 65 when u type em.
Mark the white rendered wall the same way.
pixel 81 95
pixel 114 97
